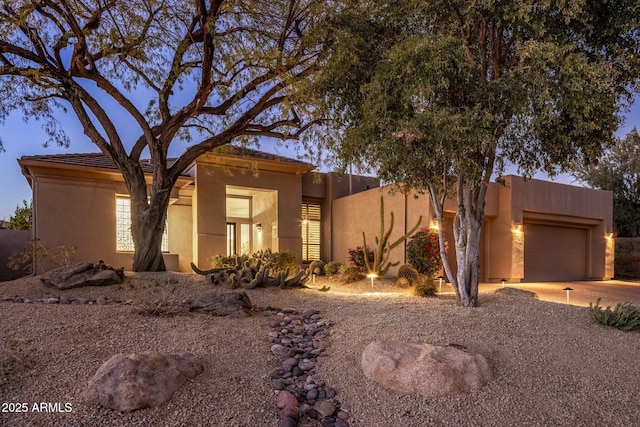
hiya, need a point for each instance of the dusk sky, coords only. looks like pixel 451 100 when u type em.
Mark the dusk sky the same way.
pixel 23 139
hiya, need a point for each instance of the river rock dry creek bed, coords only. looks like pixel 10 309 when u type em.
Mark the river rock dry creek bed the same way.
pixel 551 364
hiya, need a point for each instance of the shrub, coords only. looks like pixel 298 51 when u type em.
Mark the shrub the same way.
pixel 218 261
pixel 350 273
pixel 164 306
pixel 423 252
pixel 356 257
pixel 625 317
pixel 332 267
pixel 276 261
pixel 61 256
pixel 425 287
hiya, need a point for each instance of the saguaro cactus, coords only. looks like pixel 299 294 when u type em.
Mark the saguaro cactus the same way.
pixel 383 248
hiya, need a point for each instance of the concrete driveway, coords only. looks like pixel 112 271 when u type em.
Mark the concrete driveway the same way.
pixel 611 292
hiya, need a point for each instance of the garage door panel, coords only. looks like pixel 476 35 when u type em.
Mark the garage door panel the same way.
pixel 554 253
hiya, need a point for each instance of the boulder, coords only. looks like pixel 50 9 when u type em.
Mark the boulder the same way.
pixel 233 304
pixel 425 369
pixel 82 274
pixel 134 381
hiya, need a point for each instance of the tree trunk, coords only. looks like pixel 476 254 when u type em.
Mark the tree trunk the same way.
pixel 148 219
pixel 467 233
pixel 467 230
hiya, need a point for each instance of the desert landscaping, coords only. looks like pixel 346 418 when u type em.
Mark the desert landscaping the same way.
pixel 551 364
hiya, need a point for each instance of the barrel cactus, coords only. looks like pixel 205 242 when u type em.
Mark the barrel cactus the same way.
pixel 408 272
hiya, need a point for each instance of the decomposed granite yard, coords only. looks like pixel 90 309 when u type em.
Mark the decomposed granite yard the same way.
pixel 552 366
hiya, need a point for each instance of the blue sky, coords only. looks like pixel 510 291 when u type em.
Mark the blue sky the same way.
pixel 23 139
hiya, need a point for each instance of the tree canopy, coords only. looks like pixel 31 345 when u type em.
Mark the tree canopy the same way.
pixel 441 95
pixel 618 171
pixel 143 75
pixel 22 217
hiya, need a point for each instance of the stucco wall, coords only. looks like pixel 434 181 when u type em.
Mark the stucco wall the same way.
pixel 11 243
pixel 523 204
pixel 81 213
pixel 360 213
pixel 209 213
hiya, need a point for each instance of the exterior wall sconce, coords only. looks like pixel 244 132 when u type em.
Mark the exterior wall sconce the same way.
pixel 259 227
pixel 434 225
pixel 517 228
pixel 608 236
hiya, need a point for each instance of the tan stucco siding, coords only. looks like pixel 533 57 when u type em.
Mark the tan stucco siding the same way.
pixel 360 213
pixel 76 213
pixel 282 232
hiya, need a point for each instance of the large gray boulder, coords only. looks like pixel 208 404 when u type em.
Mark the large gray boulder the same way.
pixel 425 369
pixel 127 382
pixel 82 274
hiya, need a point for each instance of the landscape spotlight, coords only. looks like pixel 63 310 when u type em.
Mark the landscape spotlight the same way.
pixel 568 290
pixel 372 276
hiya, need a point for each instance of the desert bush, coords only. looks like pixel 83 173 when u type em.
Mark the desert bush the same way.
pixel 625 317
pixel 350 273
pixel 218 260
pixel 276 261
pixel 165 305
pixel 423 252
pixel 356 257
pixel 60 256
pixel 332 267
pixel 425 287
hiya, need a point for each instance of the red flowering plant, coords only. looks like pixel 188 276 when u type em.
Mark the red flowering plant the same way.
pixel 423 252
pixel 356 257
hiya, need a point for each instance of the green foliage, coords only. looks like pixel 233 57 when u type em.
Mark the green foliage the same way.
pixel 425 287
pixel 350 273
pixel 22 217
pixel 408 272
pixel 61 255
pixel 445 94
pixel 423 252
pixel 277 261
pixel 625 317
pixel 206 74
pixel 218 260
pixel 332 267
pixel 618 170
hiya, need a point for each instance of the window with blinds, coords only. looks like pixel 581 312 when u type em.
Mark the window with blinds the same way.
pixel 124 240
pixel 310 231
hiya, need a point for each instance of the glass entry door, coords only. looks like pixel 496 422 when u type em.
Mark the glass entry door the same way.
pixel 238 225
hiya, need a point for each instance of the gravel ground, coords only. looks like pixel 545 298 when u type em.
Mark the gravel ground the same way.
pixel 552 365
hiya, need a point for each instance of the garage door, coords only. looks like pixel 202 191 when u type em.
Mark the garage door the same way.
pixel 554 253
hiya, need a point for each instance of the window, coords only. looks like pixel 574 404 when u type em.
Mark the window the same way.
pixel 124 241
pixel 310 231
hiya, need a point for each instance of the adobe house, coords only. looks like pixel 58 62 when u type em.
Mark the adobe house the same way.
pixel 245 200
